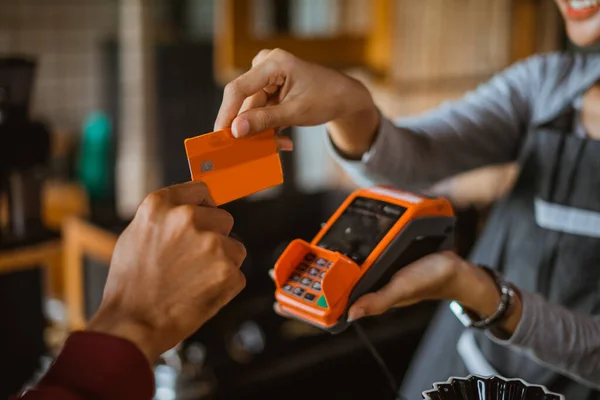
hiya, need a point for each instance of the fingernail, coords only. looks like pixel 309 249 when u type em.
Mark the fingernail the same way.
pixel 355 314
pixel 240 128
pixel 272 274
pixel 285 146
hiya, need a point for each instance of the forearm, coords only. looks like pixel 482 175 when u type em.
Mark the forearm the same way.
pixel 354 131
pixel 407 158
pixel 560 339
pixel 96 366
pixel 485 127
pixel 403 154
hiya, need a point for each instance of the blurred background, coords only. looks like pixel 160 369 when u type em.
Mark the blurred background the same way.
pixel 96 98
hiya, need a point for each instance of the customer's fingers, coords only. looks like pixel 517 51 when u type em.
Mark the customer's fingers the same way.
pixel 190 194
pixel 235 250
pixel 194 193
pixel 212 219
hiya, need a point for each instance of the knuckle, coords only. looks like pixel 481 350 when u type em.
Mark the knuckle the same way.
pixel 271 67
pixel 224 272
pixel 212 243
pixel 285 59
pixel 243 253
pixel 240 280
pixel 153 202
pixel 202 187
pixel 448 259
pixel 449 255
pixel 264 53
pixel 232 89
pixel 264 118
pixel 228 220
pixel 185 214
pixel 280 54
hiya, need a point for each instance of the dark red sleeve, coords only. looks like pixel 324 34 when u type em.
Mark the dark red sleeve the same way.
pixel 96 366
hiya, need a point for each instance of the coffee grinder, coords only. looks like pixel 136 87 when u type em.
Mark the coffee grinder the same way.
pixel 24 154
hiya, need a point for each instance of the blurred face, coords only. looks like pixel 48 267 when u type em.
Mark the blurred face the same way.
pixel 582 19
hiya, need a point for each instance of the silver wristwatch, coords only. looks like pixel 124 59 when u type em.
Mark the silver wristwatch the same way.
pixel 471 319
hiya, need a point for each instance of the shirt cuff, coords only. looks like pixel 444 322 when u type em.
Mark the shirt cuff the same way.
pixel 103 367
pixel 525 326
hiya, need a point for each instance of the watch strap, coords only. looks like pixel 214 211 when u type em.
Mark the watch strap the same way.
pixel 471 320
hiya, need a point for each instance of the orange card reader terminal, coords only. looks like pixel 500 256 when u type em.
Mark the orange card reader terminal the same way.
pixel 234 168
pixel 374 233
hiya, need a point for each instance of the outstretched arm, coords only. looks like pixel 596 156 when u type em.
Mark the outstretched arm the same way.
pixel 98 366
pixel 484 127
pixel 173 269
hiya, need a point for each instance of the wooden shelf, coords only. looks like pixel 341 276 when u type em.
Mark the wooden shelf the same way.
pixel 30 257
pixel 81 238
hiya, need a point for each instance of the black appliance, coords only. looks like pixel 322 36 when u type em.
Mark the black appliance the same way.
pixel 24 152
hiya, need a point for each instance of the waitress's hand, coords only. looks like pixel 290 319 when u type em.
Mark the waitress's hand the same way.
pixel 434 277
pixel 281 90
pixel 441 276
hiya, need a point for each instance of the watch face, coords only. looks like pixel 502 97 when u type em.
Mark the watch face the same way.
pixel 460 313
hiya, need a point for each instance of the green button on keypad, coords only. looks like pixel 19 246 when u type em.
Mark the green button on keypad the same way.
pixel 322 302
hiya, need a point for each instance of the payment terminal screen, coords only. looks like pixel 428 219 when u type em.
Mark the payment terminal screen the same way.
pixel 362 225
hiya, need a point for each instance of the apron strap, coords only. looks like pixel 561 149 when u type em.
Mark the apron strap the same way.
pixel 472 357
pixel 495 242
pixel 551 239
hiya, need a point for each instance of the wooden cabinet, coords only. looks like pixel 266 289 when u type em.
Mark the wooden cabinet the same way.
pixel 411 54
pixel 398 41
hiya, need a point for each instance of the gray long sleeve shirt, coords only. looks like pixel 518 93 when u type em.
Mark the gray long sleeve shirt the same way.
pixel 487 127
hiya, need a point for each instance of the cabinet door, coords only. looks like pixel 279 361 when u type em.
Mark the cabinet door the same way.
pixel 335 33
pixel 397 41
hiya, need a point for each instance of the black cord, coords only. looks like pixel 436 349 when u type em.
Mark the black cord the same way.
pixel 362 335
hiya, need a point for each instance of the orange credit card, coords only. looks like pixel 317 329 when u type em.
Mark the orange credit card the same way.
pixel 234 168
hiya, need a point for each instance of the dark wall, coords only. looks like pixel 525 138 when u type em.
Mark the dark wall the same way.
pixel 188 101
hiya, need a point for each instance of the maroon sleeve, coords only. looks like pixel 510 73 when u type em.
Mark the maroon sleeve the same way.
pixel 96 366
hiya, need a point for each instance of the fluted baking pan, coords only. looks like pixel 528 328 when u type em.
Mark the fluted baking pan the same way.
pixel 476 387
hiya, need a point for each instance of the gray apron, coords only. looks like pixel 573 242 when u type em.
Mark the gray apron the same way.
pixel 536 239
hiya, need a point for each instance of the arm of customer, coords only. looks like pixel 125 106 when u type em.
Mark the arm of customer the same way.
pixel 561 339
pixel 484 127
pixel 173 269
pixel 96 366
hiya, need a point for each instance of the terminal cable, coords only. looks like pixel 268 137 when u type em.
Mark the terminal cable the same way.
pixel 362 335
